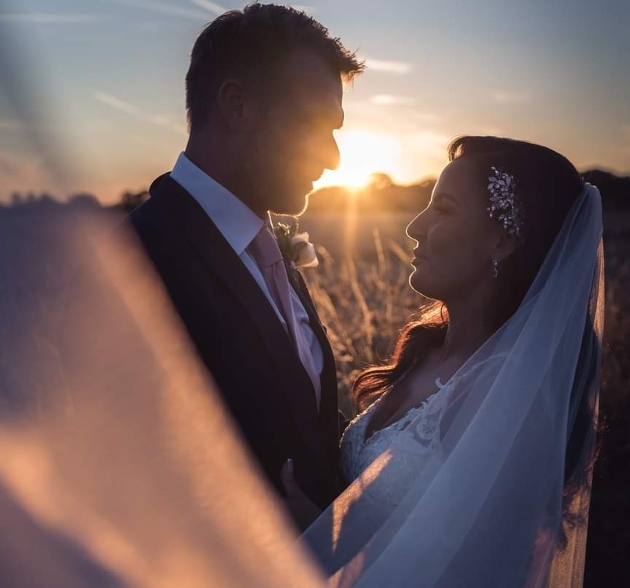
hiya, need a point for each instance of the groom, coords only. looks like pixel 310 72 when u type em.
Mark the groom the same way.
pixel 264 95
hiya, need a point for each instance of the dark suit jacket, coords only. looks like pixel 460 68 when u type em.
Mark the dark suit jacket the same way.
pixel 242 342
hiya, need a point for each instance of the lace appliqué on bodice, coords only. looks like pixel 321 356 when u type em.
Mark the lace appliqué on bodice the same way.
pixel 407 446
pixel 421 434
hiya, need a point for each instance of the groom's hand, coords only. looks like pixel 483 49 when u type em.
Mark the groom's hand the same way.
pixel 303 509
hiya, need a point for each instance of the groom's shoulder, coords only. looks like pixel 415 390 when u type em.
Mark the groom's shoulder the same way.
pixel 146 216
pixel 163 183
pixel 164 218
pixel 160 192
pixel 167 196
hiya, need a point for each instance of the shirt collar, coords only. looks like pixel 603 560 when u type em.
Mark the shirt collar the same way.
pixel 234 219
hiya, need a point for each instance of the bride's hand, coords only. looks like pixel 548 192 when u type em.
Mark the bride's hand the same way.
pixel 303 509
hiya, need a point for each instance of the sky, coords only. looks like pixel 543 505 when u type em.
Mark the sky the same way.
pixel 100 98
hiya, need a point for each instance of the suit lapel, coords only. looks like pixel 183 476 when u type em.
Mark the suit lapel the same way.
pixel 329 373
pixel 179 207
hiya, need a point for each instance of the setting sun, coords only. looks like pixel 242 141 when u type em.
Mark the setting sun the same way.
pixel 362 154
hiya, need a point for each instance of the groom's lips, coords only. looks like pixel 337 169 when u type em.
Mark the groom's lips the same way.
pixel 312 179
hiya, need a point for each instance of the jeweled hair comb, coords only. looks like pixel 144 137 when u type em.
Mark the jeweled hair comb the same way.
pixel 503 203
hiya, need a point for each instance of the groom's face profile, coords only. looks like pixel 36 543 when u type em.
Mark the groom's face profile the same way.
pixel 292 142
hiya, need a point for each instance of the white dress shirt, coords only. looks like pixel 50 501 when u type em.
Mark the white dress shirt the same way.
pixel 239 225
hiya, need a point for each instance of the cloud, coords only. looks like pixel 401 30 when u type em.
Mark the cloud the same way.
pixel 7 124
pixel 425 117
pixel 165 8
pixel 152 27
pixel 51 18
pixel 213 7
pixel 396 67
pixel 8 168
pixel 390 100
pixel 59 127
pixel 506 97
pixel 21 172
pixel 430 143
pixel 137 112
pixel 19 126
pixel 480 127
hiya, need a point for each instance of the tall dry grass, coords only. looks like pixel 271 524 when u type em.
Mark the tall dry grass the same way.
pixel 363 302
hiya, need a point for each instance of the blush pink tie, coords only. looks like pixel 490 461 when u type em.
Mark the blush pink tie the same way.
pixel 265 251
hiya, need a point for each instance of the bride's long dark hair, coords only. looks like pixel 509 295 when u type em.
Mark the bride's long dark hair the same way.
pixel 547 184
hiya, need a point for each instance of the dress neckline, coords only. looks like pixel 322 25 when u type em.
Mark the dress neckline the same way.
pixel 412 410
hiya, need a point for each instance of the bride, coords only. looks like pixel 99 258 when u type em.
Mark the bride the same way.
pixel 470 466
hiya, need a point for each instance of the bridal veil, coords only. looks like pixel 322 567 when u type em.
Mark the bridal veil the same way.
pixel 503 499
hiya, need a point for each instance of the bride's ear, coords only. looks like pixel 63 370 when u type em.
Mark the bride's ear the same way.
pixel 505 244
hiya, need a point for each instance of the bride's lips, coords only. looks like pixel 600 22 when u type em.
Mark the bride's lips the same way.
pixel 418 256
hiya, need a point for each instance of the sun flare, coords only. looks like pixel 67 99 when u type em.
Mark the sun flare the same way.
pixel 362 154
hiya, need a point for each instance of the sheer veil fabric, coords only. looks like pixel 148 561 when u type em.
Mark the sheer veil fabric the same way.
pixel 503 499
pixel 119 466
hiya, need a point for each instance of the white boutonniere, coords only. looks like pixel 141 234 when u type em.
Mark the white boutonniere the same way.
pixel 295 247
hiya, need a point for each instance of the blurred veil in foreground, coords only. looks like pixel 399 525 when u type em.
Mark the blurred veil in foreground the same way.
pixel 118 465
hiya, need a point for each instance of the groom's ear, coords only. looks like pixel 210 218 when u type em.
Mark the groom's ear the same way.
pixel 235 104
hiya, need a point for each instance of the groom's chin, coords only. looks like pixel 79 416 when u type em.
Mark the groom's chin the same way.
pixel 295 206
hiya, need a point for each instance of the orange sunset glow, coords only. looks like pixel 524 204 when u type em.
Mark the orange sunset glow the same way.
pixel 362 154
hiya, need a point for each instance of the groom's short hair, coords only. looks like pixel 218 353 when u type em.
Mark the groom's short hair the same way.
pixel 252 44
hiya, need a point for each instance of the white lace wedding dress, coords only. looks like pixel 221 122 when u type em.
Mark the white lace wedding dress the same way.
pixel 417 436
pixel 358 452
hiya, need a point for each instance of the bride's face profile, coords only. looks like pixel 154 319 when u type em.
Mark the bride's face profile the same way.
pixel 456 238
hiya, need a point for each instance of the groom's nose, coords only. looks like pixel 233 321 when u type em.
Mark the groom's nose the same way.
pixel 330 157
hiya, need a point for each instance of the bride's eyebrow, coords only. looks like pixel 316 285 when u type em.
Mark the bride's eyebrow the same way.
pixel 440 196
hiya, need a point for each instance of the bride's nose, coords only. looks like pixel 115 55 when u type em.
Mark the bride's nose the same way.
pixel 415 229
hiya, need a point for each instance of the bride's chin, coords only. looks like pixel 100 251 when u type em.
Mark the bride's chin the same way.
pixel 422 286
pixel 417 283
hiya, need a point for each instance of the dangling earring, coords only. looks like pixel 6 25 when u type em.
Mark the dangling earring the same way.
pixel 495 268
